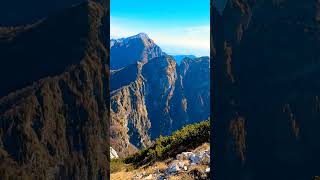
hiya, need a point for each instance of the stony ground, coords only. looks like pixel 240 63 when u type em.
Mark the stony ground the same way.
pixel 187 165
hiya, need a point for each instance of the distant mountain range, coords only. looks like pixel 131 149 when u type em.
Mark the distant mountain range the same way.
pixel 179 58
pixel 135 48
pixel 151 95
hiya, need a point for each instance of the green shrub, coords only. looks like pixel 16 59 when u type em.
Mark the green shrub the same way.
pixel 189 137
pixel 116 165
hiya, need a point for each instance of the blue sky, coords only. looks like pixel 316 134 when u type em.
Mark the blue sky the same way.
pixel 177 26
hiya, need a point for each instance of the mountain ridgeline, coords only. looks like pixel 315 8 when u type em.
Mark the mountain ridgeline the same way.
pixel 266 89
pixel 154 96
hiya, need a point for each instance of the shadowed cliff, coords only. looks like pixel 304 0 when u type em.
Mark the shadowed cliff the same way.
pixel 265 102
pixel 54 104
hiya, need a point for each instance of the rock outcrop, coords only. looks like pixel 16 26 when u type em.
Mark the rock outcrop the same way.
pixel 195 165
pixel 54 106
pixel 113 154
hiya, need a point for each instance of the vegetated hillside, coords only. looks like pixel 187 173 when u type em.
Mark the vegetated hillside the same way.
pixel 154 98
pixel 127 51
pixel 183 155
pixel 54 123
pixel 188 138
pixel 265 89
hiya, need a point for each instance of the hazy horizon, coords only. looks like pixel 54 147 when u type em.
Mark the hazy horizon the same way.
pixel 176 26
pixel 172 54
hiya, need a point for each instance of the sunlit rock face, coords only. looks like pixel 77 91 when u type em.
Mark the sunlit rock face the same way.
pixel 157 97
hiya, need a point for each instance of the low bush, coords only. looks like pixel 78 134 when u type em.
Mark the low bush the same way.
pixel 189 137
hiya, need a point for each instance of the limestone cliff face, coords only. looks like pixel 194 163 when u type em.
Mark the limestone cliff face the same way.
pixel 195 79
pixel 155 98
pixel 160 74
pixel 54 122
pixel 129 122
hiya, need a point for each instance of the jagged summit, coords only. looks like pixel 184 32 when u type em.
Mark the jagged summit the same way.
pixel 140 35
pixel 126 51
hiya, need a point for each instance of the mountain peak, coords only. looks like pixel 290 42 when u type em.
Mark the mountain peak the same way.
pixel 143 37
pixel 140 35
pixel 126 51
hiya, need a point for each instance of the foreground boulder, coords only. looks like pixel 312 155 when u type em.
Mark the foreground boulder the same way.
pixel 113 154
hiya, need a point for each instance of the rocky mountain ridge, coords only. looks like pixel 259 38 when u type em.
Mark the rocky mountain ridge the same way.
pixel 156 97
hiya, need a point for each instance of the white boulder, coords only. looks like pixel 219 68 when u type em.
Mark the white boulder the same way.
pixel 208 170
pixel 113 154
pixel 185 168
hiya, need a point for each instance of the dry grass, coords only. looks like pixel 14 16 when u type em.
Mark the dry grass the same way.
pixel 151 169
pixel 126 171
pixel 203 147
pixel 122 175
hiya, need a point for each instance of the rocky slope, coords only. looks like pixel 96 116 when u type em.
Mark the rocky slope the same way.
pixel 265 64
pixel 54 121
pixel 129 50
pixel 183 155
pixel 188 165
pixel 156 97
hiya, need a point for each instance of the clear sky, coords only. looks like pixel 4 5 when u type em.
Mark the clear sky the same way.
pixel 177 26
